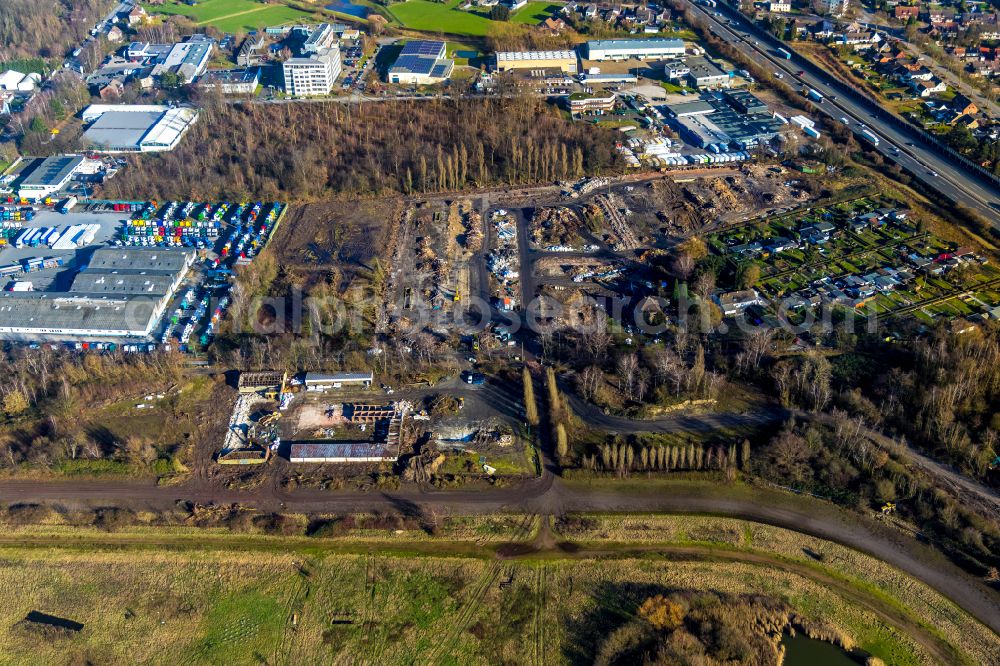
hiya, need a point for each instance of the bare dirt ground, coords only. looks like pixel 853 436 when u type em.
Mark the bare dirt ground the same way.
pixel 334 241
pixel 681 205
pixel 312 415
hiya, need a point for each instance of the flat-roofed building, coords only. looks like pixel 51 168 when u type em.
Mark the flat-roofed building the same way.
pixel 231 81
pixel 592 102
pixel 706 74
pixel 162 260
pixel 322 37
pixel 421 62
pixel 341 452
pixel 123 130
pixel 187 60
pixel 121 293
pixel 57 316
pixel 50 175
pixel 312 75
pixel 696 108
pixel 745 102
pixel 642 49
pixel 320 380
pixel 564 61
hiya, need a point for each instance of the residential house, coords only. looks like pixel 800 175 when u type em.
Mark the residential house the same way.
pixel 962 105
pixel 115 34
pixel 554 25
pixel 860 40
pixel 906 12
pixel 136 15
pixel 735 302
pixel 14 80
pixel 927 88
pixel 112 91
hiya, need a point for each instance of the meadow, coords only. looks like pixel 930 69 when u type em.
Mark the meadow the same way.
pixel 233 15
pixel 394 596
pixel 447 18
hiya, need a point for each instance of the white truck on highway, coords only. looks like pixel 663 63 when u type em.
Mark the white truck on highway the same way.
pixel 868 134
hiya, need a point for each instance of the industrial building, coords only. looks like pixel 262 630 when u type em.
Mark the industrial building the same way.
pixel 50 175
pixel 137 129
pixel 703 73
pixel 340 452
pixel 421 62
pixel 642 49
pixel 745 102
pixel 312 75
pixel 721 121
pixel 122 293
pixel 564 61
pixel 187 59
pixel 321 380
pixel 231 81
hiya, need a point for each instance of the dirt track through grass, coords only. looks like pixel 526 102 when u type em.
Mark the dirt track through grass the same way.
pixel 503 559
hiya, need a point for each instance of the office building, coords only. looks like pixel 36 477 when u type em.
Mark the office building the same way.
pixel 312 75
pixel 231 81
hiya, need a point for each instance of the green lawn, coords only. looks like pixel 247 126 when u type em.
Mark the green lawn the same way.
pixel 446 17
pixel 534 13
pixel 232 15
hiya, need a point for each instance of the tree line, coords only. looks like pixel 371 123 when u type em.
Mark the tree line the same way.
pixel 310 151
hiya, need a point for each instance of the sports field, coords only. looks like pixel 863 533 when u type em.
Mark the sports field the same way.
pixel 233 15
pixel 446 17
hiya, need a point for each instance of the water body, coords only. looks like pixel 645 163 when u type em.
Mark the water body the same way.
pixel 800 650
pixel 349 8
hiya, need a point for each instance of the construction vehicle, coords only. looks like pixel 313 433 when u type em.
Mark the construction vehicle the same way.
pixel 888 507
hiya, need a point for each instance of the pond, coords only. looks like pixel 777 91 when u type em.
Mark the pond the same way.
pixel 800 650
pixel 349 8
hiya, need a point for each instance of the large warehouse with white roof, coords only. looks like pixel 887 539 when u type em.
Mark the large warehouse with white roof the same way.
pixel 642 49
pixel 136 129
pixel 561 60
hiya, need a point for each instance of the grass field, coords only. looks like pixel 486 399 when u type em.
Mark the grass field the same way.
pixel 380 596
pixel 233 15
pixel 445 17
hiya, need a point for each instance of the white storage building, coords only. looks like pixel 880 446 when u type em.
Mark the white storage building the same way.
pixel 642 49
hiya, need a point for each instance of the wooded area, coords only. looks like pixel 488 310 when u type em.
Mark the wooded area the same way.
pixel 46 28
pixel 310 151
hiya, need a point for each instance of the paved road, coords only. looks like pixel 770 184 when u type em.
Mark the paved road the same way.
pixel 955 181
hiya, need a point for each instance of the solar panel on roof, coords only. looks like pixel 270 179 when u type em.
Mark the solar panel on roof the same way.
pixel 421 48
pixel 414 64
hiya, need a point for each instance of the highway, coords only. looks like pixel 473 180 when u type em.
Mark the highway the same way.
pixel 938 171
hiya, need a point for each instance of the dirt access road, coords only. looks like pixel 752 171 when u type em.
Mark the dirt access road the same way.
pixel 549 495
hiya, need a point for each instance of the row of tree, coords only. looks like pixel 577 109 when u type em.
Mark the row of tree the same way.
pixel 310 151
